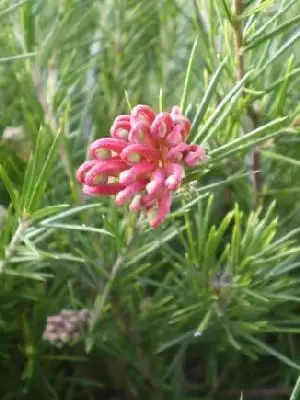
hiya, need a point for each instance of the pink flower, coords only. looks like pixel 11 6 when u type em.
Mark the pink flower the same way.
pixel 142 163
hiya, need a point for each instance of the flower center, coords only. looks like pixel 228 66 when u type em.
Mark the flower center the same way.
pixel 163 154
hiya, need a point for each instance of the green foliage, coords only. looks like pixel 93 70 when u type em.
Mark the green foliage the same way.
pixel 205 307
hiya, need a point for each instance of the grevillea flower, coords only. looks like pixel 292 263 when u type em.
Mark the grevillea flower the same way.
pixel 142 163
pixel 64 328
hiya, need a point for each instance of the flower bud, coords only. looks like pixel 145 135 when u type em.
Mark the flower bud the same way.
pixel 195 154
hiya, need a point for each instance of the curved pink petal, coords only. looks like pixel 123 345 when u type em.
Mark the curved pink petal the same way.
pixel 149 200
pixel 140 133
pixel 143 113
pixel 162 125
pixel 84 168
pixel 135 152
pixel 104 168
pixel 107 189
pixel 175 137
pixel 135 172
pixel 126 194
pixel 184 122
pixel 104 146
pixel 156 183
pixel 122 118
pixel 120 130
pixel 157 215
pixel 176 176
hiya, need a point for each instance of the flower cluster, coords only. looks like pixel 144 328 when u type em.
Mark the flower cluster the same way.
pixel 142 163
pixel 64 327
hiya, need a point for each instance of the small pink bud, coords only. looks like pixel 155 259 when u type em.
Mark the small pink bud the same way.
pixel 103 190
pixel 175 178
pixel 134 152
pixel 126 194
pixel 84 168
pixel 98 148
pixel 156 183
pixel 120 130
pixel 135 172
pixel 157 215
pixel 108 168
pixel 195 155
pixel 162 125
pixel 142 113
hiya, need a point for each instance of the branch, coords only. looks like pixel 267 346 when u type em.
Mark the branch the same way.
pixel 237 10
pixel 124 321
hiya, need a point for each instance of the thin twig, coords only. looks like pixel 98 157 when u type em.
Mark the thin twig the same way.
pixel 237 10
